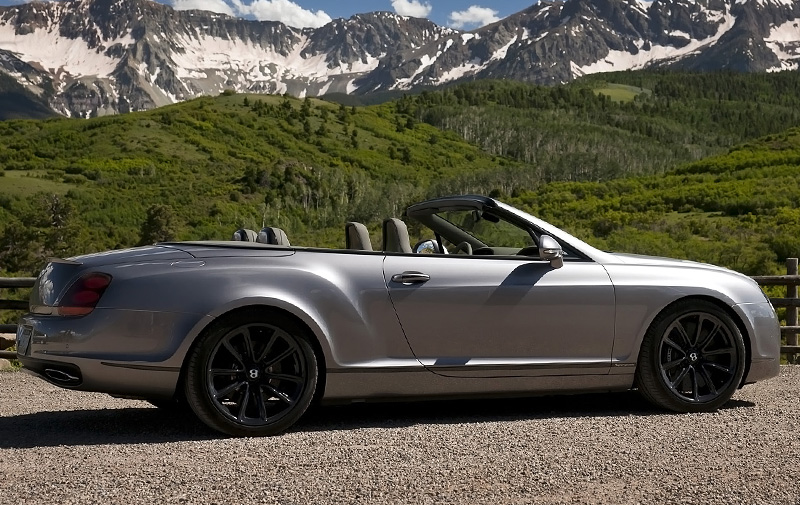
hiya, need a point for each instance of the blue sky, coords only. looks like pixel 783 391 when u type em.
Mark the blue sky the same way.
pixel 462 14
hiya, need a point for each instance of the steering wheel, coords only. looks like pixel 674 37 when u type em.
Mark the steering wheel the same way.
pixel 532 250
pixel 463 246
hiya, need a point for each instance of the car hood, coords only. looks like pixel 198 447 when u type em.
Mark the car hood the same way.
pixel 637 259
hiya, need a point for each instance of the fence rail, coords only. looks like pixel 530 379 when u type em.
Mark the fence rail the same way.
pixel 791 280
pixel 791 302
pixel 13 282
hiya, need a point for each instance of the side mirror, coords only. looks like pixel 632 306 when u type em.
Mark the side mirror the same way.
pixel 550 250
pixel 427 247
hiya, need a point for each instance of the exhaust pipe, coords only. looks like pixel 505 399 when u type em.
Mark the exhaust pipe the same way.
pixel 61 377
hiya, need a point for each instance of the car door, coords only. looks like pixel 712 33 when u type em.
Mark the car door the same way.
pixel 472 316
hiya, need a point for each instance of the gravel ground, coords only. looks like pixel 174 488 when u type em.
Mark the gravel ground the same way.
pixel 66 447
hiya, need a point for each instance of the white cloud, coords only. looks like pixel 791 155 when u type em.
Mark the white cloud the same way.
pixel 204 5
pixel 475 16
pixel 413 8
pixel 285 11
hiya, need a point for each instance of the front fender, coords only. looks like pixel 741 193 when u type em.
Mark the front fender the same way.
pixel 643 291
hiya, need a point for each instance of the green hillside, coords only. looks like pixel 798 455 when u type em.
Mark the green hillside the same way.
pixel 215 164
pixel 740 209
pixel 201 169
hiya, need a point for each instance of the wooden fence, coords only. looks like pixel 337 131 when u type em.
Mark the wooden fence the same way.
pixel 10 282
pixel 791 280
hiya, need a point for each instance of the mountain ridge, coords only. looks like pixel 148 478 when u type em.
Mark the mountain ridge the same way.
pixel 94 57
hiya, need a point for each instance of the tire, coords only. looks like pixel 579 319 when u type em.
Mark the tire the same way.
pixel 692 358
pixel 251 374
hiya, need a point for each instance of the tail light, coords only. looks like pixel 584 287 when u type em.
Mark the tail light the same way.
pixel 83 295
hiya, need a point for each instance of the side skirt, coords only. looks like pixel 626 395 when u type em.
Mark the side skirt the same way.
pixel 386 384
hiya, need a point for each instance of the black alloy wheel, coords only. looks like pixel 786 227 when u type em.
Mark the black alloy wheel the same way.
pixel 692 358
pixel 252 376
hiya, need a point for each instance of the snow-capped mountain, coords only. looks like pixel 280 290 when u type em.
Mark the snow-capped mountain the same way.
pixel 93 57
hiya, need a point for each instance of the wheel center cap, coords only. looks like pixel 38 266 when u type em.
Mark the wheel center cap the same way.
pixel 693 357
pixel 254 373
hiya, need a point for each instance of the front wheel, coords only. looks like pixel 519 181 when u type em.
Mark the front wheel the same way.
pixel 252 374
pixel 692 358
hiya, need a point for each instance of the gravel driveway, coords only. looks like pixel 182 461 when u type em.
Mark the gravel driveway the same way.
pixel 63 447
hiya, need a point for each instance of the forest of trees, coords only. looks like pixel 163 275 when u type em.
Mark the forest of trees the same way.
pixel 576 132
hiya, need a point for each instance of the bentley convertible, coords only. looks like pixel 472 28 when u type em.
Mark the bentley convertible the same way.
pixel 488 301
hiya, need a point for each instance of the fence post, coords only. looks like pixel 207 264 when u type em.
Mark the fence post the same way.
pixel 791 312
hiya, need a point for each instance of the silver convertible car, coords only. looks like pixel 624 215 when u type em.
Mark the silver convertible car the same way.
pixel 489 301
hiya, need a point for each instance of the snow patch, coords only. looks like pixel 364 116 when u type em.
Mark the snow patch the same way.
pixel 784 41
pixel 325 88
pixel 460 71
pixel 787 32
pixel 57 53
pixel 205 56
pixel 503 51
pixel 623 60
pixel 678 33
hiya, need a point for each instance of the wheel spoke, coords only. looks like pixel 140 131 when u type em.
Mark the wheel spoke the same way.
pixel 223 371
pixel 280 357
pixel 245 402
pixel 680 377
pixel 281 395
pixel 717 352
pixel 707 379
pixel 698 331
pixel 263 354
pixel 710 337
pixel 695 388
pixel 683 334
pixel 717 366
pixel 248 343
pixel 223 393
pixel 672 364
pixel 674 345
pixel 285 377
pixel 234 352
pixel 262 406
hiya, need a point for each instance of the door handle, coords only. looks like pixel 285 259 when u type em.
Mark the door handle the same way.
pixel 411 278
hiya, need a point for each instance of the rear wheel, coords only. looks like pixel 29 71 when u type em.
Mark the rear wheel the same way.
pixel 253 374
pixel 692 358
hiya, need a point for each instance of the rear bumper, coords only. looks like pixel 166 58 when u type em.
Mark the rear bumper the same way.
pixel 120 352
pixel 119 379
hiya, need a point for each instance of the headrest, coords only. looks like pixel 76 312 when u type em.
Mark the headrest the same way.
pixel 357 237
pixel 395 236
pixel 274 236
pixel 244 235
